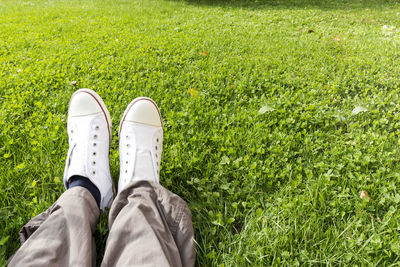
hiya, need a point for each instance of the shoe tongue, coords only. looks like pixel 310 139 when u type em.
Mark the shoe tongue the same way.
pixel 77 166
pixel 144 167
pixel 78 155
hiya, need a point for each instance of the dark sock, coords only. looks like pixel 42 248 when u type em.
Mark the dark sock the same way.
pixel 77 180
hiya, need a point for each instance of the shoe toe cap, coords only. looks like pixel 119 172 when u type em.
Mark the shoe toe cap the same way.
pixel 83 103
pixel 144 111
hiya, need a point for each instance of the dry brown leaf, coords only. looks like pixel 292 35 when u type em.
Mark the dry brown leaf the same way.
pixel 364 195
pixel 193 92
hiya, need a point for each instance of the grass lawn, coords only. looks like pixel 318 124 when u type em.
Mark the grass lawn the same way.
pixel 278 114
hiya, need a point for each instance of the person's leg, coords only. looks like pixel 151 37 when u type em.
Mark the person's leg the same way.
pixel 149 225
pixel 63 235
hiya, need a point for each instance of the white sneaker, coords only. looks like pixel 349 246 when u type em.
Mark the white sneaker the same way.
pixel 140 142
pixel 89 132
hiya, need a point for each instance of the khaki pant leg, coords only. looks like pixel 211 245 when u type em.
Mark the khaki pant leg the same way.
pixel 149 226
pixel 62 235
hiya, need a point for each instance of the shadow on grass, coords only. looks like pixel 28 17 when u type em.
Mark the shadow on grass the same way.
pixel 298 4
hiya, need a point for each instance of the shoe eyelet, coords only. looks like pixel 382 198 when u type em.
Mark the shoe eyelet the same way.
pixel 94 153
pixel 94 144
pixel 72 131
pixel 94 162
pixel 156 147
pixel 156 155
pixel 95 136
pixel 128 145
pixel 126 162
pixel 126 171
pixel 97 127
pixel 158 140
pixel 93 172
